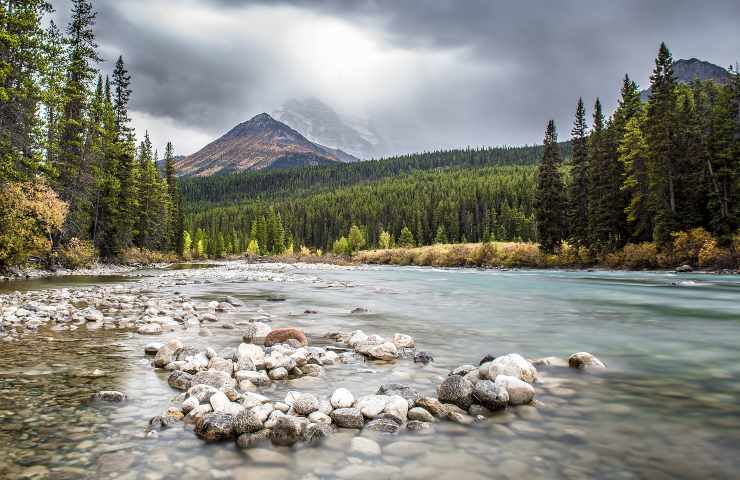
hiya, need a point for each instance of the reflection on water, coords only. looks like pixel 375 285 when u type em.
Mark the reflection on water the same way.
pixel 59 282
pixel 666 408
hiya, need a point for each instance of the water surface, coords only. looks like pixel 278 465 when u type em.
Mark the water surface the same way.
pixel 667 407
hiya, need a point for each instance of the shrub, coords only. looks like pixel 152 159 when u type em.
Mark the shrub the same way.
pixel 30 213
pixel 341 247
pixel 137 256
pixel 640 256
pixel 77 254
pixel 688 245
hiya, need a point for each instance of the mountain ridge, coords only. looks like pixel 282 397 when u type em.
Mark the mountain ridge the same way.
pixel 259 143
pixel 687 70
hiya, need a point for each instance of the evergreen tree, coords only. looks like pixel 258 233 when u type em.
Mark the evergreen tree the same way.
pixel 441 236
pixel 122 95
pixel 660 137
pixel 406 239
pixel 176 218
pixel 549 198
pixel 75 176
pixel 356 239
pixel 578 192
pixel 633 154
pixel 385 240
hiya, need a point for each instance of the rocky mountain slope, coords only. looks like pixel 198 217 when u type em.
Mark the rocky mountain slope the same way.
pixel 686 71
pixel 257 144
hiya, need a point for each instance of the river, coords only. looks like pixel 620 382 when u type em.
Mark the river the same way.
pixel 666 407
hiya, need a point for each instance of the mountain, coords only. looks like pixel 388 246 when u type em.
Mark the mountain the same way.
pixel 321 124
pixel 685 71
pixel 258 144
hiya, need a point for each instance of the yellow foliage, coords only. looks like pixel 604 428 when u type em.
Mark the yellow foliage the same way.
pixel 688 245
pixel 137 256
pixel 77 254
pixel 30 213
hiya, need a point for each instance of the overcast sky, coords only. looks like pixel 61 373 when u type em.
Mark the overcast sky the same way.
pixel 430 73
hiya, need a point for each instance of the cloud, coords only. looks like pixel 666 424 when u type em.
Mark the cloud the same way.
pixel 431 74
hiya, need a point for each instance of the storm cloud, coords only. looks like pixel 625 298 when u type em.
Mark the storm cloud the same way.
pixel 430 74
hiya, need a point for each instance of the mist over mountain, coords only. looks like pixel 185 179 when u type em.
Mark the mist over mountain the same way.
pixel 259 143
pixel 322 124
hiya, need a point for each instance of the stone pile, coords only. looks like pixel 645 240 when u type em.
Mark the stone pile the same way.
pixel 375 347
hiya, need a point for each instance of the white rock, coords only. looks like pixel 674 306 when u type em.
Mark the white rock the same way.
pixel 520 392
pixel 306 404
pixel 513 365
pixel 319 417
pixel 291 397
pixel 397 406
pixel 356 338
pixel 385 351
pixel 342 398
pixel 371 405
pixel 403 341
pixel 218 401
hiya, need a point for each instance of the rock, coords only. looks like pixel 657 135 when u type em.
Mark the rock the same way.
pixel 342 398
pixel 460 418
pixel 520 392
pixel 251 440
pixel 233 301
pixel 684 269
pixel 513 365
pixel 584 360
pixel 371 405
pixel 180 380
pixel 224 307
pixel 423 357
pixel 397 406
pixel 348 417
pixel 282 335
pixel 486 358
pixel 259 379
pixel 490 395
pixel 189 404
pixel 315 433
pixel 356 338
pixel 215 426
pixel 457 391
pixel 312 370
pixel 249 333
pixel 364 446
pixel 251 399
pixel 110 396
pixel 167 353
pixel 202 392
pixel 420 414
pixel 403 341
pixel 222 365
pixel 480 411
pixel 214 378
pixel 152 348
pixel 549 362
pixel 280 373
pixel 244 364
pixel 319 417
pixel 252 352
pixel 433 406
pixel 286 432
pixel 385 351
pixel 472 376
pixel 218 401
pixel 150 329
pixel 306 404
pixel 160 423
pixel 383 425
pixel 279 360
pixel 248 422
pixel 409 393
pixel 463 370
pixel 357 310
pixel 418 426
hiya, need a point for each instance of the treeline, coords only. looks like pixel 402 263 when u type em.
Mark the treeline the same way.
pixel 65 137
pixel 648 172
pixel 276 183
pixel 424 207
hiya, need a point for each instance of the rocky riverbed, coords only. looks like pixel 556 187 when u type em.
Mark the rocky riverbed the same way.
pixel 290 371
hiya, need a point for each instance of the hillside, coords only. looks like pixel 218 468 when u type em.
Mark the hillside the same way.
pixel 686 71
pixel 258 144
pixel 273 183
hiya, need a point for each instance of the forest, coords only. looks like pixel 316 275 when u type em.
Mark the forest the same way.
pixel 74 182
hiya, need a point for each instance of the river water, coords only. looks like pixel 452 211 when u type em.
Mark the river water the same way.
pixel 666 407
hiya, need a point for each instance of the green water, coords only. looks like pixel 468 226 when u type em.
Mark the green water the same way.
pixel 667 407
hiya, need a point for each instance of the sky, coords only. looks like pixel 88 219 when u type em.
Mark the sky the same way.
pixel 429 74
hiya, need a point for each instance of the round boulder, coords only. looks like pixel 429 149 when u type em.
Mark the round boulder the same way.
pixel 282 335
pixel 306 404
pixel 513 365
pixel 348 417
pixel 584 360
pixel 342 398
pixel 215 426
pixel 490 395
pixel 457 391
pixel 520 392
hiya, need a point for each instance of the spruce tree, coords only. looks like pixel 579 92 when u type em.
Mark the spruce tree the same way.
pixel 633 155
pixel 441 236
pixel 662 153
pixel 121 97
pixel 549 202
pixel 578 192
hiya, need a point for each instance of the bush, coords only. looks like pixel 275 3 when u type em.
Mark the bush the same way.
pixel 30 213
pixel 77 254
pixel 137 256
pixel 640 256
pixel 688 245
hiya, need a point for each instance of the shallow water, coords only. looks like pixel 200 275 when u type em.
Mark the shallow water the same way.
pixel 667 407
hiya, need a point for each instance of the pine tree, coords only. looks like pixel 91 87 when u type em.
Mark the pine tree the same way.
pixel 633 154
pixel 122 95
pixel 356 239
pixel 176 218
pixel 406 239
pixel 441 236
pixel 22 60
pixel 549 198
pixel 75 176
pixel 660 137
pixel 578 192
